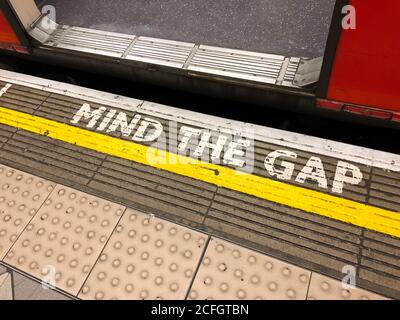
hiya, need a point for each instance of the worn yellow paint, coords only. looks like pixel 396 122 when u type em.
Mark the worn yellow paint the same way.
pixel 326 205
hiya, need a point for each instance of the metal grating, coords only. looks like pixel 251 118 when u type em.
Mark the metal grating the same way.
pixel 161 52
pixel 212 61
pixel 91 41
pixel 57 35
pixel 291 71
pixel 237 64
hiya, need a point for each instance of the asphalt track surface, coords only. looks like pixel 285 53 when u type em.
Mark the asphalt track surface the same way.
pixel 287 27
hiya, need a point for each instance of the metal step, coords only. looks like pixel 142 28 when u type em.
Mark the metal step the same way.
pixel 187 58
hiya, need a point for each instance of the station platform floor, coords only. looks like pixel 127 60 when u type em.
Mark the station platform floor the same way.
pixel 281 27
pixel 99 189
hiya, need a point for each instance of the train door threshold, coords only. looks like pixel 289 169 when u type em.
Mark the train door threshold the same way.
pixel 137 184
pixel 190 59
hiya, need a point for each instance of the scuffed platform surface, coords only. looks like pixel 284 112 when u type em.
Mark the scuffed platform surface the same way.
pixel 16 286
pixel 322 227
pixel 285 27
pixel 143 257
pixel 146 258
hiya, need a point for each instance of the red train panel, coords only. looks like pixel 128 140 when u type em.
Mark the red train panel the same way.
pixel 366 70
pixel 7 34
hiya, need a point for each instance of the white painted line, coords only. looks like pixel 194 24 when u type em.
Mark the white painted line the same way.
pixel 70 90
pixel 4 90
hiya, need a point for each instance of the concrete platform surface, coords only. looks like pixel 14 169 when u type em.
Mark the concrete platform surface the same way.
pixel 93 167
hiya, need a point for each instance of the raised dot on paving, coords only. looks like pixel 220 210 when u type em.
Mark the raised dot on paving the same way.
pixel 21 196
pixel 146 258
pixel 65 238
pixel 324 288
pixel 231 272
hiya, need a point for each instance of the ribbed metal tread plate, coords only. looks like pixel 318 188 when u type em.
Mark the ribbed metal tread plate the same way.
pixel 91 41
pixel 291 71
pixel 212 61
pixel 247 65
pixel 161 52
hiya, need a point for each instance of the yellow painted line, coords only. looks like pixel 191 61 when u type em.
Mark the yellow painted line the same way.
pixel 326 205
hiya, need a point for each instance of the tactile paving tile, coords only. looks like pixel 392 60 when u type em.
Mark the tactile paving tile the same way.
pixel 230 272
pixel 21 195
pixel 146 258
pixel 67 234
pixel 324 288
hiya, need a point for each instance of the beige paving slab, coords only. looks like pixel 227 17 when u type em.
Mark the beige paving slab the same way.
pixel 231 272
pixel 324 288
pixel 65 238
pixel 28 289
pixel 146 258
pixel 6 287
pixel 3 269
pixel 21 195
